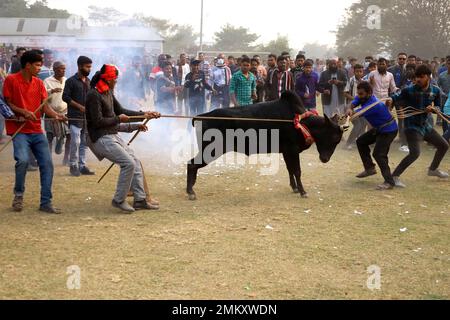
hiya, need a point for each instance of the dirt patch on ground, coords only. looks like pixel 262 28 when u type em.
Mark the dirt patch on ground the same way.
pixel 247 237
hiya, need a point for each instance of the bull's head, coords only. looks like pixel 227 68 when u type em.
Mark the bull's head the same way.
pixel 328 137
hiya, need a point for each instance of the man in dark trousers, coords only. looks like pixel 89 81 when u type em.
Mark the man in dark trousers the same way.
pixel 75 92
pixel 383 132
pixel 421 96
pixel 196 84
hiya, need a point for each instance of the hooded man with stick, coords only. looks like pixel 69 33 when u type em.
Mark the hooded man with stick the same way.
pixel 105 118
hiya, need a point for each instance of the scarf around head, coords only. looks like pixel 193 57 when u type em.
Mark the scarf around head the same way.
pixel 110 73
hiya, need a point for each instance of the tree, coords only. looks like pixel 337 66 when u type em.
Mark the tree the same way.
pixel 231 38
pixel 421 27
pixel 316 50
pixel 22 9
pixel 277 46
pixel 107 16
pixel 161 25
pixel 177 38
pixel 182 38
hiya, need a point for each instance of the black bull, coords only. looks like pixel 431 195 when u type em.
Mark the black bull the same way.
pixel 326 133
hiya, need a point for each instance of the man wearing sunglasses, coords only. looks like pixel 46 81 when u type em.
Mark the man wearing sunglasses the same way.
pixel 399 70
pixel 401 81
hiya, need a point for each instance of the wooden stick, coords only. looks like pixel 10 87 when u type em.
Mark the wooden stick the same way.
pixel 130 142
pixel 23 125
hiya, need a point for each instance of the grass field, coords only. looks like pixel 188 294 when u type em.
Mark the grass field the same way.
pixel 247 237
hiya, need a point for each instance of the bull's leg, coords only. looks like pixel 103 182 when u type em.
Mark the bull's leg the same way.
pixel 293 165
pixel 298 174
pixel 192 170
pixel 290 167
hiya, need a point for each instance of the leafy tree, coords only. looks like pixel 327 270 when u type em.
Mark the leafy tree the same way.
pixel 22 9
pixel 316 50
pixel 231 38
pixel 421 27
pixel 107 16
pixel 182 38
pixel 277 46
pixel 177 38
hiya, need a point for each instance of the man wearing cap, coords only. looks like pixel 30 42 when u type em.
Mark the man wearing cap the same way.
pixel 220 78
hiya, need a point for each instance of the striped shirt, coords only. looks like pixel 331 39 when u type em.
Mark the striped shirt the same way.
pixel 279 82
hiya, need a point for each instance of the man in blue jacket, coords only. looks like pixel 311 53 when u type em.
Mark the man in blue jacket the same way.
pixel 383 132
pixel 306 86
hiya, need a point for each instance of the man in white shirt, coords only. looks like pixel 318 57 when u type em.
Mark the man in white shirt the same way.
pixel 182 69
pixel 220 80
pixel 360 124
pixel 56 129
pixel 382 81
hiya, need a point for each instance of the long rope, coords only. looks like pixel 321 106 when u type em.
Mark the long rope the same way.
pixel 227 118
pixel 441 115
pixel 365 109
pixel 362 111
pixel 182 117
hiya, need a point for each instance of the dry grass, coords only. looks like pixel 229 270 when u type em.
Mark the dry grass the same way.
pixel 219 247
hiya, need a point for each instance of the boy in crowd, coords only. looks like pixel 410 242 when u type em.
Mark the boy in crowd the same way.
pixel 243 85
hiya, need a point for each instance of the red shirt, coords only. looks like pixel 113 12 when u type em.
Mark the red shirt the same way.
pixel 25 95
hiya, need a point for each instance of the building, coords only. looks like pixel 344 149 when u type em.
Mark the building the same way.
pixel 74 33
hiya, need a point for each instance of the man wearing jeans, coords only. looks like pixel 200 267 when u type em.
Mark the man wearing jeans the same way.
pixel 24 93
pixel 75 92
pixel 421 96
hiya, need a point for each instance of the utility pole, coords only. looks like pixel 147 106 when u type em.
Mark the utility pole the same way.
pixel 201 27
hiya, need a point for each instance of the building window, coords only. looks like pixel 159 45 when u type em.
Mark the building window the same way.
pixel 52 25
pixel 20 25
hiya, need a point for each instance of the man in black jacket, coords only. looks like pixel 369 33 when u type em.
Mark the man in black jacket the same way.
pixel 331 84
pixel 104 116
pixel 74 95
